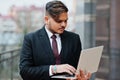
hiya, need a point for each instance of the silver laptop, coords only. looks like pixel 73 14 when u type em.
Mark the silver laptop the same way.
pixel 89 61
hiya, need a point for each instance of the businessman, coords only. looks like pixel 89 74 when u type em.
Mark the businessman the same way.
pixel 51 50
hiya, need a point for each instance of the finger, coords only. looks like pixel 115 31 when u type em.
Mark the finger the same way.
pixel 88 75
pixel 78 77
pixel 82 73
pixel 68 71
pixel 71 68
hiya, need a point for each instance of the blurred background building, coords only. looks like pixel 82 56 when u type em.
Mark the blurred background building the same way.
pixel 96 21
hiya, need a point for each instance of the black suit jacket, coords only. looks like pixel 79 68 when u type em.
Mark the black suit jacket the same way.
pixel 36 54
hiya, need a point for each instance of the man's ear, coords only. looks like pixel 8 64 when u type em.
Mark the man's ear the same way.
pixel 46 18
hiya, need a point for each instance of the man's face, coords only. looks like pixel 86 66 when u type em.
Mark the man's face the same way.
pixel 57 26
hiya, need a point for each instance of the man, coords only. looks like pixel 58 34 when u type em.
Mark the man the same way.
pixel 50 50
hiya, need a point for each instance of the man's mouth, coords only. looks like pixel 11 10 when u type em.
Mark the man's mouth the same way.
pixel 62 28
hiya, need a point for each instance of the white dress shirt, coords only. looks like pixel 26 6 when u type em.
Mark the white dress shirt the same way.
pixel 58 39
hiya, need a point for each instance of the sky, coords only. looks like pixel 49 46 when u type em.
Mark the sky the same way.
pixel 6 4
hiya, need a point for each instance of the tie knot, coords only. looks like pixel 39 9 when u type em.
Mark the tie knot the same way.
pixel 53 36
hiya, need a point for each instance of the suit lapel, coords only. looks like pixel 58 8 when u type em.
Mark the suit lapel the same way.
pixel 46 44
pixel 63 53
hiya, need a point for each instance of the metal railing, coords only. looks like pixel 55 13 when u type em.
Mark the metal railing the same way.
pixel 9 61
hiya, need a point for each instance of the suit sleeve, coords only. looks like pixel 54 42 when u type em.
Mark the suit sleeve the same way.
pixel 28 70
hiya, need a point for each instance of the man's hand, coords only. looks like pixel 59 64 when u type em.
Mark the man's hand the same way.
pixel 83 76
pixel 63 68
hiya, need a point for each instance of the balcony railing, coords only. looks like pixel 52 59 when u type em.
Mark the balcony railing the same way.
pixel 9 61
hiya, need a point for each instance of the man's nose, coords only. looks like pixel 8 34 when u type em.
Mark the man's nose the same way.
pixel 63 24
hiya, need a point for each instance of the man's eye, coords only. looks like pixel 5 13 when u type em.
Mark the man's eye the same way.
pixel 58 21
pixel 65 21
pixel 61 21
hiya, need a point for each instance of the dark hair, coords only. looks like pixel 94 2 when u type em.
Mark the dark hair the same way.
pixel 55 8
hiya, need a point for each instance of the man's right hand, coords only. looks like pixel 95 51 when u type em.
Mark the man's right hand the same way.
pixel 63 68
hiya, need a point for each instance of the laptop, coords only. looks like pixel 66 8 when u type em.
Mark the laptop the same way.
pixel 89 61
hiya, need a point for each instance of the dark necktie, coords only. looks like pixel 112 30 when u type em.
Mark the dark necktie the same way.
pixel 55 49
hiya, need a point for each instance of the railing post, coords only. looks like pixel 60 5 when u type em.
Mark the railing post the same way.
pixel 11 65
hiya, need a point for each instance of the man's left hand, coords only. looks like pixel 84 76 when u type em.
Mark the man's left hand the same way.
pixel 82 76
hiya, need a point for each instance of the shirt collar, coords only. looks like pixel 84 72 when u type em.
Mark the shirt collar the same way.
pixel 50 33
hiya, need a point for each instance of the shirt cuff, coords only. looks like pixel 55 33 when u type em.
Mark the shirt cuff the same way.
pixel 50 70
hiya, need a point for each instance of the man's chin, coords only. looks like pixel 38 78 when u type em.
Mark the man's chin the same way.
pixel 60 32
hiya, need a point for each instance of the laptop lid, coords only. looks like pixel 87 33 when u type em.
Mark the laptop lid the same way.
pixel 89 59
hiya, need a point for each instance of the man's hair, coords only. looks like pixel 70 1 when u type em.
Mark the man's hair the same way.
pixel 55 8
